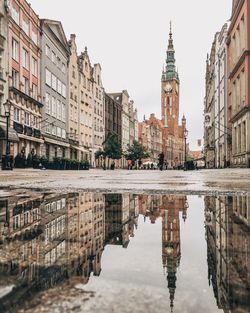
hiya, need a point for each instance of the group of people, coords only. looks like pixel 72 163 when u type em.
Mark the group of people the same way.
pixel 161 165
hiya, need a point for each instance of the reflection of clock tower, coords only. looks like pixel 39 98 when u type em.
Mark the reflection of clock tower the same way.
pixel 171 239
pixel 170 90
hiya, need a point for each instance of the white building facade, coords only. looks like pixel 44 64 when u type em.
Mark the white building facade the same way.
pixel 221 133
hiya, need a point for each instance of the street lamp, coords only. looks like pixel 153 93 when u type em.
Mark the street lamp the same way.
pixel 7 107
pixel 185 137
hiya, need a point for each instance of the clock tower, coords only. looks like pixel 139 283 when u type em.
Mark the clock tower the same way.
pixel 173 141
pixel 170 90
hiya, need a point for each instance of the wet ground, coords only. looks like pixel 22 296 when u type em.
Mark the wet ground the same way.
pixel 202 182
pixel 125 252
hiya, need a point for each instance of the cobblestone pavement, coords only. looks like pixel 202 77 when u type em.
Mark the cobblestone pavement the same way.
pixel 203 181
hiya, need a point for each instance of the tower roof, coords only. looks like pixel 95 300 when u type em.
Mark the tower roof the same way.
pixel 169 71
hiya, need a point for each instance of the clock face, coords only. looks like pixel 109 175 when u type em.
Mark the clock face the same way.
pixel 168 87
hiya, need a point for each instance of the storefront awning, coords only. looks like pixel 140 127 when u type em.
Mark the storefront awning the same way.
pixel 56 142
pixel 13 136
pixel 31 138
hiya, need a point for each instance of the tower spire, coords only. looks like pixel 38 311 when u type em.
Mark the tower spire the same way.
pixel 170 40
pixel 170 70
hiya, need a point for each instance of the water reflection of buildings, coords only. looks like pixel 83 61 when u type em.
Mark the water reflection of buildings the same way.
pixel 48 238
pixel 168 208
pixel 121 217
pixel 228 248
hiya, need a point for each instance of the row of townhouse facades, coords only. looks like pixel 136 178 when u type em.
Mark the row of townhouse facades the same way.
pixel 58 102
pixel 54 239
pixel 227 234
pixel 227 100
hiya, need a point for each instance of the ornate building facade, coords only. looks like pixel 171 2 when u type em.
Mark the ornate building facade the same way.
pixel 238 83
pixel 150 136
pixel 227 235
pixel 3 72
pixel 98 111
pixel 54 82
pixel 24 77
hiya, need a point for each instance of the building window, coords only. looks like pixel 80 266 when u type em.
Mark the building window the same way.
pixel 63 68
pixel 25 25
pixel 25 59
pixel 26 217
pixel 15 78
pixel 26 85
pixel 34 67
pixel 16 115
pixel 73 72
pixel 26 118
pixel 15 50
pixel 244 136
pixel 47 51
pixel 34 91
pixel 59 132
pixel 34 37
pixel 16 221
pixel 59 111
pixel 59 86
pixel 239 148
pixel 63 112
pixel 15 14
pixel 47 129
pixel 53 130
pixel 53 57
pixel 35 122
pixel 63 90
pixel 63 133
pixel 47 103
pixel 53 106
pixel 48 77
pixel 71 113
pixel 54 82
pixel 58 62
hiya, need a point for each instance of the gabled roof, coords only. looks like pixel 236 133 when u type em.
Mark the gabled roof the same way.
pixel 57 31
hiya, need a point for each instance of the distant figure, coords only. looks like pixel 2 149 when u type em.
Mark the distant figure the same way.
pixel 161 160
pixel 129 164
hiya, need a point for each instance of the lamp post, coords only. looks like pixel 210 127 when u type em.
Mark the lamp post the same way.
pixel 7 165
pixel 185 137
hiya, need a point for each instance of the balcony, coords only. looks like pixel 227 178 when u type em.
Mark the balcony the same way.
pixel 37 133
pixel 18 128
pixel 28 131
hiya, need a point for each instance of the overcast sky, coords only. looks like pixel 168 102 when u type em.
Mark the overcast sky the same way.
pixel 129 39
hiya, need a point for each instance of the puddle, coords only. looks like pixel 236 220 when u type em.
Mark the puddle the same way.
pixel 96 252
